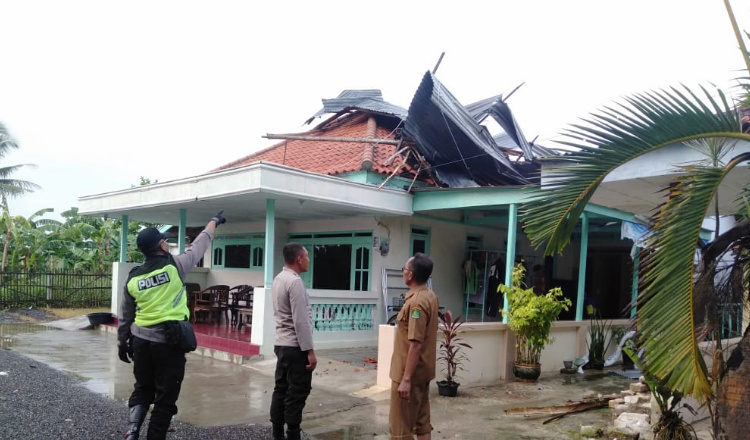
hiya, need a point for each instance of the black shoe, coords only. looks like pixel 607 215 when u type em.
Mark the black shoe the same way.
pixel 293 434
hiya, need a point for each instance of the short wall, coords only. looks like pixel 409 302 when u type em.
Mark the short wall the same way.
pixel 264 325
pixel 120 273
pixel 493 350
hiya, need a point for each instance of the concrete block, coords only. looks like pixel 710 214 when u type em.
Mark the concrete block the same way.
pixel 620 409
pixel 614 402
pixel 622 434
pixel 631 400
pixel 631 422
pixel 639 387
pixel 591 431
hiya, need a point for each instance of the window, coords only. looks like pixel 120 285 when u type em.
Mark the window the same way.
pixel 338 260
pixel 420 240
pixel 473 243
pixel 238 251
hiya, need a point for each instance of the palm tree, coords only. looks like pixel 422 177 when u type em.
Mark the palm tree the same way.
pixel 10 187
pixel 616 136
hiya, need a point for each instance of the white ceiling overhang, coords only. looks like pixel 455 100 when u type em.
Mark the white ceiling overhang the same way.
pixel 638 187
pixel 242 194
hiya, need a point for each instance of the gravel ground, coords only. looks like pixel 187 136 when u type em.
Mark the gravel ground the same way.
pixel 40 403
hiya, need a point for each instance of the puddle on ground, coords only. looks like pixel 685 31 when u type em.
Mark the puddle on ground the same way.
pixel 8 331
pixel 343 433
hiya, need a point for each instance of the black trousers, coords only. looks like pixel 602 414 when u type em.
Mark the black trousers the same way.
pixel 159 369
pixel 293 385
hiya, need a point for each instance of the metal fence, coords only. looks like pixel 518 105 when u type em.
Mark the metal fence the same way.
pixel 56 289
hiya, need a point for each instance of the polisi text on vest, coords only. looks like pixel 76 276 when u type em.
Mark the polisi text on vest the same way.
pixel 156 280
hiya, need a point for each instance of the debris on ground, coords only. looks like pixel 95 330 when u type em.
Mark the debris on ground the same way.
pixel 558 411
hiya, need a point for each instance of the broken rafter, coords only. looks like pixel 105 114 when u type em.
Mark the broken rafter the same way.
pixel 415 178
pixel 399 150
pixel 423 164
pixel 293 137
pixel 403 162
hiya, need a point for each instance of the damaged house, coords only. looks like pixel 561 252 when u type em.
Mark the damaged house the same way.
pixel 368 186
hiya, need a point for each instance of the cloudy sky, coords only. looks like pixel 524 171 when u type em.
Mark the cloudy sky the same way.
pixel 99 93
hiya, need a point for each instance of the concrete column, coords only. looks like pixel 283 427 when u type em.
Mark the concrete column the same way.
pixel 636 273
pixel 181 231
pixel 583 255
pixel 510 252
pixel 270 241
pixel 124 239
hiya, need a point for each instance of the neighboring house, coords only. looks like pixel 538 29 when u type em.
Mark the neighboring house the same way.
pixel 366 188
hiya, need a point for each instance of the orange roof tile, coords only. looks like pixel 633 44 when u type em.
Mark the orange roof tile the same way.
pixel 329 157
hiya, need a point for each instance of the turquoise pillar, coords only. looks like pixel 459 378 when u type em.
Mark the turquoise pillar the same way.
pixel 636 274
pixel 270 234
pixel 510 252
pixel 582 257
pixel 181 235
pixel 124 240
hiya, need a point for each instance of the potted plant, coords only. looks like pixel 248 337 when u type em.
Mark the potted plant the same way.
pixel 451 353
pixel 530 317
pixel 598 343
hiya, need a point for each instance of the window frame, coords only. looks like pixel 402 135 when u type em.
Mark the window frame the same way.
pixel 255 241
pixel 422 232
pixel 357 239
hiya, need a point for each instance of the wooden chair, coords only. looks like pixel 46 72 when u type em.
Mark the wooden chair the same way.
pixel 214 300
pixel 190 289
pixel 241 303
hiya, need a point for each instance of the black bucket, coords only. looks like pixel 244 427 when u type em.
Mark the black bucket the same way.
pixel 100 318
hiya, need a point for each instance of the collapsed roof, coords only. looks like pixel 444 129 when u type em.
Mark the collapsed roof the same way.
pixel 438 140
pixel 461 152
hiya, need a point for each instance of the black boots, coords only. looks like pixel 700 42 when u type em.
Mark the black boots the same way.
pixel 278 431
pixel 291 433
pixel 135 420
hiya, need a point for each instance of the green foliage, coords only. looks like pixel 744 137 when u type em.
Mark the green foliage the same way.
pixel 77 243
pixel 530 316
pixel 616 136
pixel 670 425
pixel 599 338
pixel 451 345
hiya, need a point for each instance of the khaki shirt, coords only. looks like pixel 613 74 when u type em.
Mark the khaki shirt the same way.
pixel 417 321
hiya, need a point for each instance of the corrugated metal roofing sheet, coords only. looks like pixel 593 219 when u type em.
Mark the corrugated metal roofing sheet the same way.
pixel 368 100
pixel 462 153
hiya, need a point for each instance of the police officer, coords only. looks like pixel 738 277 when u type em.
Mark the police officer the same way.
pixel 155 296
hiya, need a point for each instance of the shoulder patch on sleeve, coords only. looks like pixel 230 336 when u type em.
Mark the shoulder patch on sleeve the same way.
pixel 416 313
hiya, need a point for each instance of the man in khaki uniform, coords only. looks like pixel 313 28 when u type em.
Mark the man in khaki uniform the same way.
pixel 413 361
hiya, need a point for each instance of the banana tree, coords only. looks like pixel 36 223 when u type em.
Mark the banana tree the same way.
pixel 613 137
pixel 10 187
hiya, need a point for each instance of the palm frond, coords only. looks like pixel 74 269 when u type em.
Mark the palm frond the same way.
pixel 672 351
pixel 615 136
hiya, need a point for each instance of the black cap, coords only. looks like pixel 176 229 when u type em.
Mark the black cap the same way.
pixel 149 238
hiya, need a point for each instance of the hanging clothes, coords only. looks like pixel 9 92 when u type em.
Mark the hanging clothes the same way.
pixel 470 277
pixel 494 279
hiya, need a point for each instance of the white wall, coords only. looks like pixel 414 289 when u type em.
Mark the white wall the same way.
pixel 493 350
pixel 120 273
